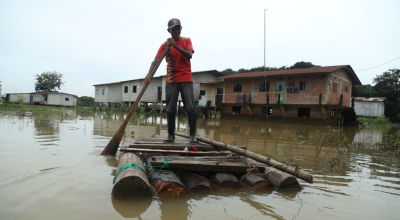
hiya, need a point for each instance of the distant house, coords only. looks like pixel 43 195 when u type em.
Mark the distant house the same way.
pixel 370 107
pixel 43 98
pixel 319 92
pixel 126 92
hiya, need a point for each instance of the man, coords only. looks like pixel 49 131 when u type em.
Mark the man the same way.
pixel 179 78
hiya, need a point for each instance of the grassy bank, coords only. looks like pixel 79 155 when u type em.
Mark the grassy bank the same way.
pixel 380 121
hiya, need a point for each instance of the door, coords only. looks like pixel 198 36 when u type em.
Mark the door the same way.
pixel 159 93
pixel 280 89
pixel 220 92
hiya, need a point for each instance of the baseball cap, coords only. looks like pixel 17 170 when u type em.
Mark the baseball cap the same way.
pixel 174 22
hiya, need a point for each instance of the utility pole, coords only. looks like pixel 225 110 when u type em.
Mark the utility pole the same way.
pixel 265 83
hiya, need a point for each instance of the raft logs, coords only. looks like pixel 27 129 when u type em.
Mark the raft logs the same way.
pixel 132 181
pixel 232 164
pixel 165 182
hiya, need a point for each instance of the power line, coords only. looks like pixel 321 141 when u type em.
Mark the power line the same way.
pixel 379 65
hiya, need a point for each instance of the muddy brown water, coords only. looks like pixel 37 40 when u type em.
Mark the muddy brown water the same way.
pixel 52 169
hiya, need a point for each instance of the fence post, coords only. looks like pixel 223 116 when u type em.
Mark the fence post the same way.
pixel 279 99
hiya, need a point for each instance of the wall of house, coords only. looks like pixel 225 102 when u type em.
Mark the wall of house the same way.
pixel 210 92
pixel 369 109
pixel 150 95
pixel 291 112
pixel 59 99
pixel 342 79
pixel 14 97
pixel 291 93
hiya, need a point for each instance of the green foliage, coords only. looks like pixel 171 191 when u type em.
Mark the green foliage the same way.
pixel 388 85
pixel 85 101
pixel 48 81
pixel 20 99
pixel 297 65
pixel 380 121
pixel 362 91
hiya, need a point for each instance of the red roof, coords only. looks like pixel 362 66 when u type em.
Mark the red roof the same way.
pixel 324 69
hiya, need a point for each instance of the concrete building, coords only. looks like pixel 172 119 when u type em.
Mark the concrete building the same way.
pixel 370 107
pixel 43 98
pixel 317 93
pixel 126 92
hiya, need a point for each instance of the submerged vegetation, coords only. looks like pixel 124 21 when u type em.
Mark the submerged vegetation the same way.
pixel 379 121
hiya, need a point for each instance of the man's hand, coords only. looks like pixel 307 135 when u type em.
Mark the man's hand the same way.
pixel 147 80
pixel 171 42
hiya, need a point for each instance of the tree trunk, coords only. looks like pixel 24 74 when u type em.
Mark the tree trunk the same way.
pixel 196 182
pixel 131 182
pixel 225 181
pixel 256 182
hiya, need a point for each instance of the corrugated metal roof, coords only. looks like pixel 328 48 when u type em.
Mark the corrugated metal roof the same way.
pixel 324 69
pixel 371 99
pixel 210 82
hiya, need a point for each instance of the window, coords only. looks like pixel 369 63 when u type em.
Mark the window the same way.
pixel 263 88
pixel 306 77
pixel 103 92
pixel 134 89
pixel 67 99
pixel 264 110
pixel 334 87
pixel 304 112
pixel 202 92
pixel 126 89
pixel 305 86
pixel 97 92
pixel 346 88
pixel 236 110
pixel 280 88
pixel 237 87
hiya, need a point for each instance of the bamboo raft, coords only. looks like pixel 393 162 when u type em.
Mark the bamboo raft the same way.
pixel 148 168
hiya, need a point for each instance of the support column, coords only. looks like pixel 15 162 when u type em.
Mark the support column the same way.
pixel 94 106
pixel 100 106
pixel 283 109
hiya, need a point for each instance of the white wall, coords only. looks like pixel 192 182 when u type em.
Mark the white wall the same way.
pixel 368 108
pixel 59 99
pixel 14 97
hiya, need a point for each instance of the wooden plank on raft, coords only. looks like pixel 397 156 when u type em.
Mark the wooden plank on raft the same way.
pixel 202 166
pixel 173 146
pixel 194 153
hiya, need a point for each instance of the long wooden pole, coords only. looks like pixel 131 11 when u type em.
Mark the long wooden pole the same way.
pixel 260 158
pixel 112 146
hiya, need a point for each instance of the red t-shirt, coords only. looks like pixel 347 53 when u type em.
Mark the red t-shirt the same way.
pixel 178 69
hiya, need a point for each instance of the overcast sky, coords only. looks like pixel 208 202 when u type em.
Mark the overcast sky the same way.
pixel 97 41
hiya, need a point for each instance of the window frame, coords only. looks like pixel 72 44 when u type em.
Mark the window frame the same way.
pixel 97 91
pixel 103 91
pixel 334 87
pixel 346 88
pixel 235 87
pixel 66 99
pixel 236 110
pixel 134 89
pixel 125 89
pixel 303 86
pixel 264 88
pixel 202 92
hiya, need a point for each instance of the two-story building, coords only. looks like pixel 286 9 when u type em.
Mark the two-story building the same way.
pixel 126 92
pixel 317 93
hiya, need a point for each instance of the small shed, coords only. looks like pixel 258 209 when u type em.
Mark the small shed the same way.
pixel 370 107
pixel 43 98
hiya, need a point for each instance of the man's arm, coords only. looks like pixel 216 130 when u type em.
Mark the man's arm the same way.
pixel 187 53
pixel 147 79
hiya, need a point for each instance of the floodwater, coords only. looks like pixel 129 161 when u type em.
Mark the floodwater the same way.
pixel 52 169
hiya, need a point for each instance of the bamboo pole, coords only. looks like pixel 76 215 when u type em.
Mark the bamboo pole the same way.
pixel 112 146
pixel 260 158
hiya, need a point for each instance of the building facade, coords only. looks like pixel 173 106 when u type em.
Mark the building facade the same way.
pixel 318 93
pixel 126 92
pixel 43 98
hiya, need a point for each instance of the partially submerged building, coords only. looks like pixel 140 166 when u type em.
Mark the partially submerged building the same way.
pixel 126 92
pixel 43 98
pixel 370 107
pixel 316 93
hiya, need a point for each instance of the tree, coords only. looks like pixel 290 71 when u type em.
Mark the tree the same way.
pixel 297 65
pixel 48 81
pixel 86 101
pixel 388 85
pixel 362 91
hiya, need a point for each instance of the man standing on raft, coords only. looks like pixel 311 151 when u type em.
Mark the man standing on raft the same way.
pixel 179 78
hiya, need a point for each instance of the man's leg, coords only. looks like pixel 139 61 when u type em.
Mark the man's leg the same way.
pixel 171 96
pixel 187 94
